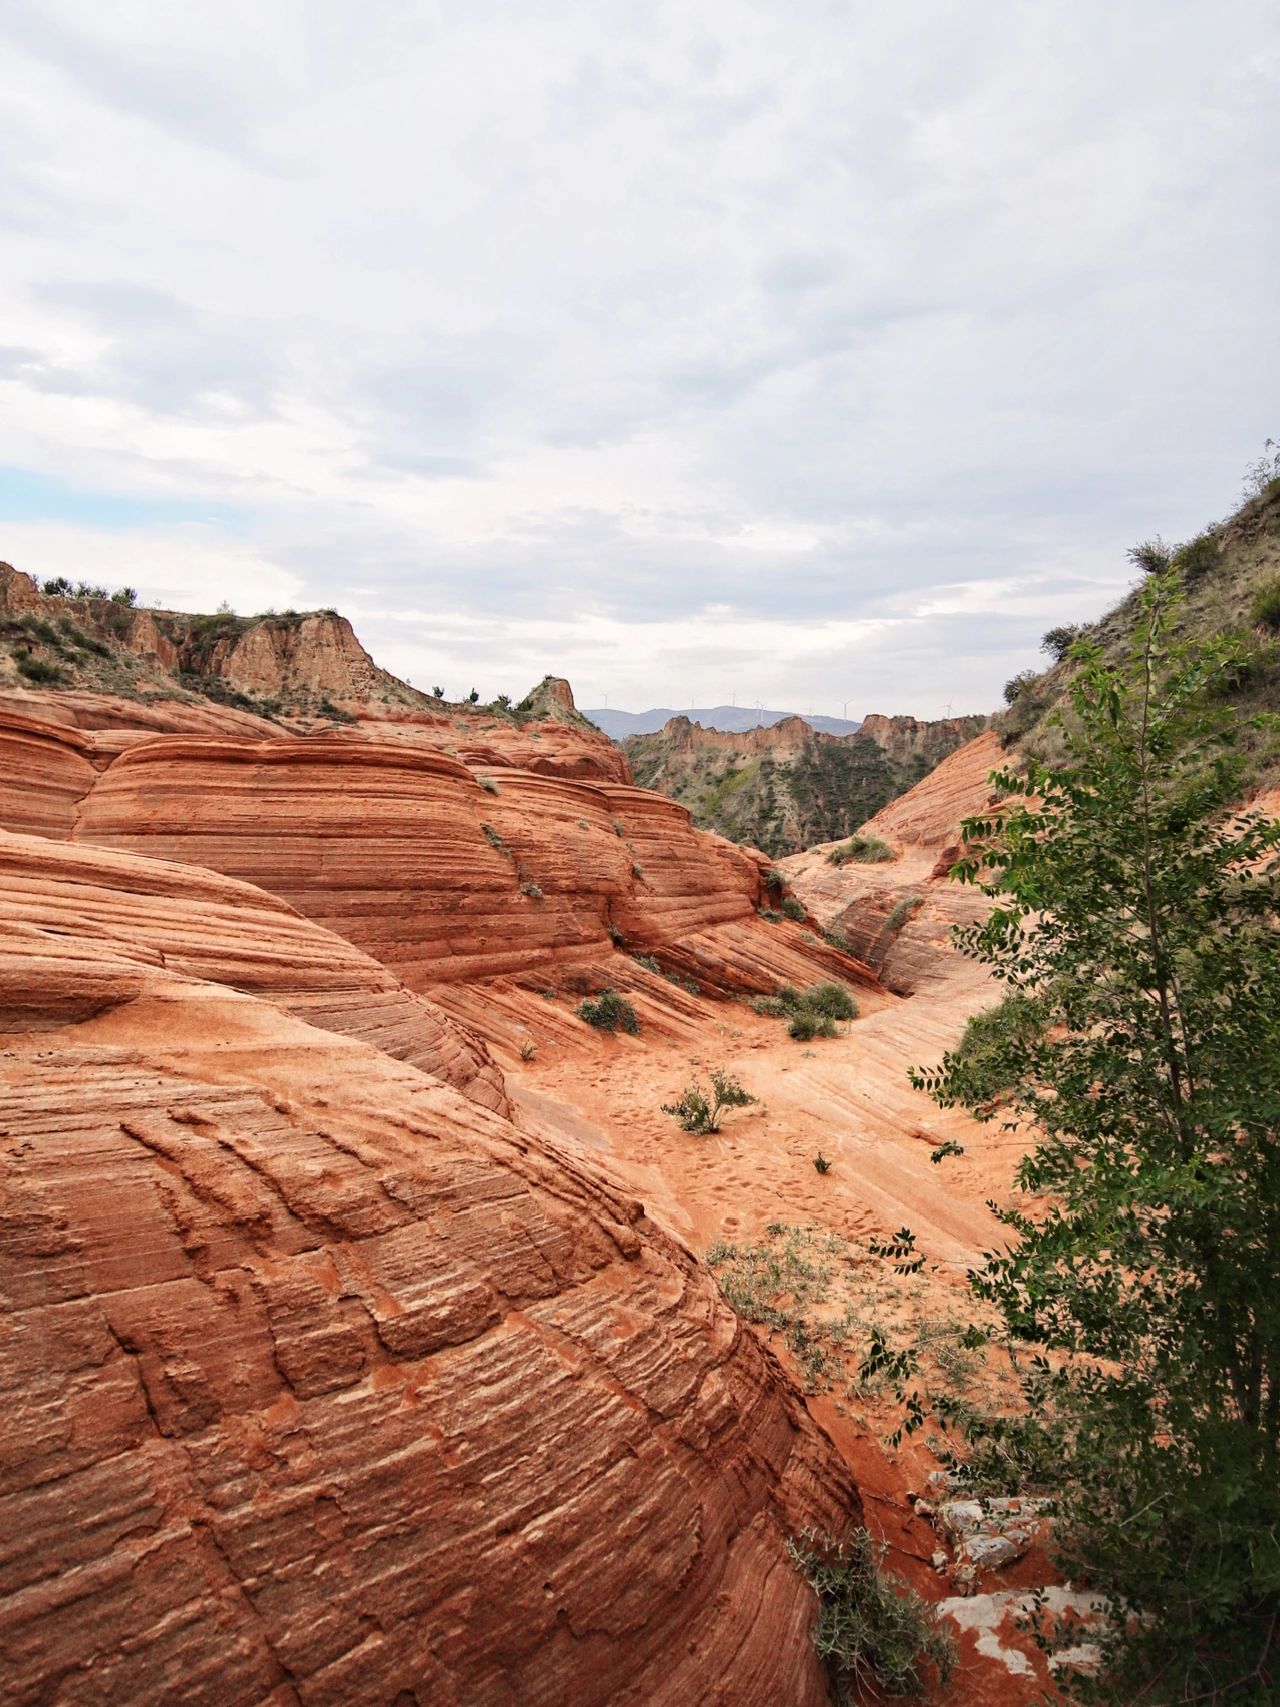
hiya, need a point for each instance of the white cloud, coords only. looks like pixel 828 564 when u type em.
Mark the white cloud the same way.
pixel 558 316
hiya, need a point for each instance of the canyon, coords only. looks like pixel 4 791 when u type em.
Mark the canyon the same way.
pixel 359 1335
pixel 787 786
pixel 373 1333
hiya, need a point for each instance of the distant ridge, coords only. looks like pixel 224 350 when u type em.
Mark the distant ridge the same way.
pixel 729 719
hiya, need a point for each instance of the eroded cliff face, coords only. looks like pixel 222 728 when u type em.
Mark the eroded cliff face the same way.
pixel 294 660
pixel 786 787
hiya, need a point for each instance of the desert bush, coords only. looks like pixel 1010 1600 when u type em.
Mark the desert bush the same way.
pixel 837 940
pixel 37 671
pixel 772 1007
pixel 648 962
pixel 609 1012
pixel 1016 686
pixel 125 596
pixel 806 1025
pixel 873 1630
pixel 1198 557
pixel 701 1109
pixel 494 840
pixel 1152 556
pixel 58 588
pixel 867 850
pixel 831 1000
pixel 489 785
pixel 903 910
pixel 43 631
pixel 989 1057
pixel 821 1163
pixel 1262 478
pixel 790 908
pixel 1266 606
pixel 1057 642
pixel 532 890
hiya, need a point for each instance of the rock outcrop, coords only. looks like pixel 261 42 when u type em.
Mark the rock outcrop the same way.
pixel 198 924
pixel 328 1386
pixel 897 914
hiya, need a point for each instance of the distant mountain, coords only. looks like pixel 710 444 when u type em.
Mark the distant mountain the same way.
pixel 786 786
pixel 729 719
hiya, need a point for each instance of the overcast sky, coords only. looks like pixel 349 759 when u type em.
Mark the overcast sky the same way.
pixel 819 354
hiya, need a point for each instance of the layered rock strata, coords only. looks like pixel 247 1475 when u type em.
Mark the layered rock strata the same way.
pixel 330 1387
pixel 195 923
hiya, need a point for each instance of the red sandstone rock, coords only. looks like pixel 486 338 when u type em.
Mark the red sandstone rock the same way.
pixel 400 849
pixel 329 1387
pixel 200 925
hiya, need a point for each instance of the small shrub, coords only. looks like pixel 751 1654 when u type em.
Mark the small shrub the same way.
pixel 125 596
pixel 647 961
pixel 489 785
pixel 903 910
pixel 637 871
pixel 1260 477
pixel 872 1628
pixel 769 915
pixel 700 1110
pixel 685 984
pixel 1017 685
pixel 528 1049
pixel 773 879
pixel 437 693
pixel 617 826
pixel 979 1062
pixel 821 1163
pixel 792 909
pixel 837 940
pixel 805 1024
pixel 1153 556
pixel 36 670
pixel 494 840
pixel 1198 557
pixel 1266 607
pixel 1059 641
pixel 609 1012
pixel 336 713
pixel 58 588
pixel 532 890
pixel 867 850
pixel 831 1001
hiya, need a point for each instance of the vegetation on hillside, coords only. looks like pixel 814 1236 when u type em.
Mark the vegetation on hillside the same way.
pixel 1229 577
pixel 789 798
pixel 1136 924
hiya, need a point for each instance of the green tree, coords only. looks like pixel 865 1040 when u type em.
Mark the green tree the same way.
pixel 1137 910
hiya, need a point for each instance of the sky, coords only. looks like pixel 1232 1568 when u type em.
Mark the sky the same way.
pixel 820 354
